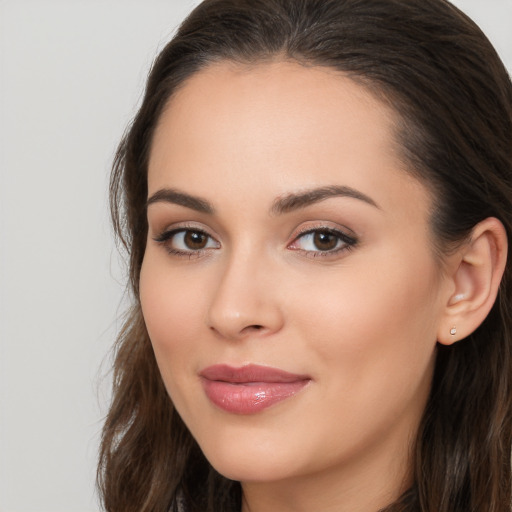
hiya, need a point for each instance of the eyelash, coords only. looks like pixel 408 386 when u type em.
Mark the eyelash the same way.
pixel 167 237
pixel 348 242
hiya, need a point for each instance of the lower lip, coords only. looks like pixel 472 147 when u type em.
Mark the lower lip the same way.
pixel 250 397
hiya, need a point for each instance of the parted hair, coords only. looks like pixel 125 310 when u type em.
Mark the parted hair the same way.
pixel 453 102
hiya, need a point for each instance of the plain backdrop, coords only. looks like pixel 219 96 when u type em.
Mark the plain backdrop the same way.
pixel 71 76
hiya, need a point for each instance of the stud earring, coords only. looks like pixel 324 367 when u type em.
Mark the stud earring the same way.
pixel 453 331
pixel 459 296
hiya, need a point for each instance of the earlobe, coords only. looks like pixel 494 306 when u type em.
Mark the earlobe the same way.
pixel 478 269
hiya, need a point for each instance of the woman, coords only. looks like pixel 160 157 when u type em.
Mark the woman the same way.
pixel 315 196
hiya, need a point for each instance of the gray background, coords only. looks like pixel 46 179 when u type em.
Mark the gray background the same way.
pixel 71 75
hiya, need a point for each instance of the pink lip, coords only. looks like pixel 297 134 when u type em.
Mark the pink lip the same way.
pixel 251 388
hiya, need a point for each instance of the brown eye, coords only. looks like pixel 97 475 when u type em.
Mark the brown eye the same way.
pixel 195 240
pixel 325 241
pixel 187 241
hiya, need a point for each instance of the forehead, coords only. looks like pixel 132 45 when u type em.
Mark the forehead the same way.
pixel 279 101
pixel 278 124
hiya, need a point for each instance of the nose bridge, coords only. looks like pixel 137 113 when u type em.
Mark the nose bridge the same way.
pixel 244 300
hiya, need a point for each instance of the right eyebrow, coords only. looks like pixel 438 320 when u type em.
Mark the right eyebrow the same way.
pixel 169 195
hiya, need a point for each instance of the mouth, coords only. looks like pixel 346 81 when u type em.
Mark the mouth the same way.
pixel 251 388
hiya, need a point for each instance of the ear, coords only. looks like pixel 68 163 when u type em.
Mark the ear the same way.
pixel 475 274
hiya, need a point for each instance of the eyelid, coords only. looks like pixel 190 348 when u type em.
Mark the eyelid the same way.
pixel 349 240
pixel 167 235
pixel 181 226
pixel 311 227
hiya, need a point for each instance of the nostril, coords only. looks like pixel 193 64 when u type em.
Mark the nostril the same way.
pixel 247 329
pixel 253 328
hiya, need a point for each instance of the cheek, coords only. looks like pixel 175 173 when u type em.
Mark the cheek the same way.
pixel 373 342
pixel 173 309
pixel 173 313
pixel 375 322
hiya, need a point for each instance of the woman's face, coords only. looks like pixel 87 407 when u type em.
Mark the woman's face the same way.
pixel 289 284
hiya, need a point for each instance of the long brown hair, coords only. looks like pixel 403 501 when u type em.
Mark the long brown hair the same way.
pixel 453 98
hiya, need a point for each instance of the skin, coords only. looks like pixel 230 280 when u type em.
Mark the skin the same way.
pixel 361 322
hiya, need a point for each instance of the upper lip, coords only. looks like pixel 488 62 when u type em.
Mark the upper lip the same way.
pixel 249 373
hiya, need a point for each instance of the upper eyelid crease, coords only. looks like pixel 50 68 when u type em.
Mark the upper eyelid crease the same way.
pixel 343 231
pixel 173 231
pixel 342 235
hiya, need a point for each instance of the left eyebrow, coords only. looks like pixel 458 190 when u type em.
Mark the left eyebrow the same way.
pixel 296 201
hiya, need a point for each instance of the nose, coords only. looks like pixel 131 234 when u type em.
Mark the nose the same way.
pixel 245 301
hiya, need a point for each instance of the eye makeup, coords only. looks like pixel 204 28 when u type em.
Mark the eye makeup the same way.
pixel 322 241
pixel 187 241
pixel 317 241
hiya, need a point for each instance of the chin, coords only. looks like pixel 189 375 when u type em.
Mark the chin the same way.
pixel 250 470
pixel 250 461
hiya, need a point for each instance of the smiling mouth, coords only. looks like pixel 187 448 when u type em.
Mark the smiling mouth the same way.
pixel 251 388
